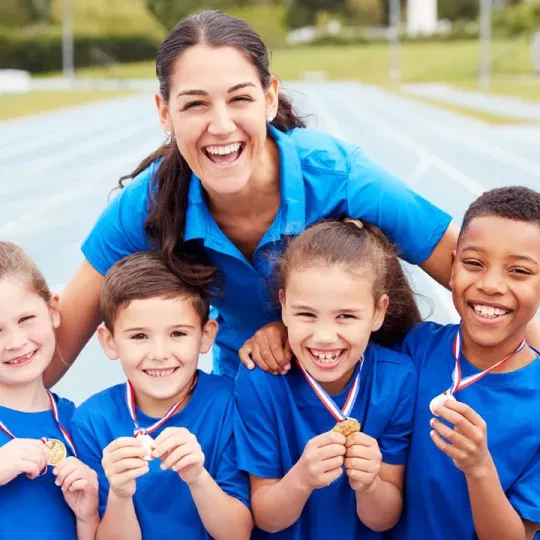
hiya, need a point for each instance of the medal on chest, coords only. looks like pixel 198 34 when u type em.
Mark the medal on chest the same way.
pixel 458 382
pixel 345 425
pixel 143 434
pixel 57 448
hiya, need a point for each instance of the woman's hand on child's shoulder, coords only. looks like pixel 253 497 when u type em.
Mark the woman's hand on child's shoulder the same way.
pixel 180 451
pixel 79 484
pixel 363 461
pixel 322 460
pixel 123 462
pixel 269 349
pixel 18 456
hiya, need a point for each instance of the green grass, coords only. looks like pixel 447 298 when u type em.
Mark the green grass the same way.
pixel 15 105
pixel 453 63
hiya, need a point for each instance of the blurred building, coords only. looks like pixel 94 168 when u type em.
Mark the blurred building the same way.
pixel 421 17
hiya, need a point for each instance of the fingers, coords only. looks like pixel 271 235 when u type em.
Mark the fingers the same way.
pixel 189 460
pixel 171 438
pixel 30 468
pixel 264 358
pixel 450 450
pixel 119 480
pixel 451 435
pixel 459 418
pixel 328 438
pixel 122 448
pixel 244 354
pixel 360 439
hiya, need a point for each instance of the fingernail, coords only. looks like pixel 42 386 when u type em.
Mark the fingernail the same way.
pixel 55 471
pixel 287 367
pixel 162 467
pixel 432 421
pixel 57 482
pixel 251 366
pixel 431 433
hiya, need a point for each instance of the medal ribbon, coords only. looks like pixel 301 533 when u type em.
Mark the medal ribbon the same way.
pixel 130 401
pixel 458 383
pixel 56 417
pixel 327 401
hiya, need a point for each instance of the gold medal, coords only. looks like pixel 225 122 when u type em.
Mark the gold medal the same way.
pixel 347 427
pixel 57 451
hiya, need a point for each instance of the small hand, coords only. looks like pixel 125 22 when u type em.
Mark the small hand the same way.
pixel 362 461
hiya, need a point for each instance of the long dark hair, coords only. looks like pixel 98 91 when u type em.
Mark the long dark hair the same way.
pixel 358 246
pixel 169 189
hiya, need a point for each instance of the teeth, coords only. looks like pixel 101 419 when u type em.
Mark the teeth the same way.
pixel 325 358
pixel 159 372
pixel 223 150
pixel 488 311
pixel 21 359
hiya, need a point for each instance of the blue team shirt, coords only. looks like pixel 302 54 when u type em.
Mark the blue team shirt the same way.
pixel 278 415
pixel 321 177
pixel 163 502
pixel 36 509
pixel 437 501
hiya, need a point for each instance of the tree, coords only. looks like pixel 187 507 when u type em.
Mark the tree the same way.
pixel 170 12
pixel 459 9
pixel 365 12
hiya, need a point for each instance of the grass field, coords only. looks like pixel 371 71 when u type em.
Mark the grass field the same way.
pixel 16 105
pixel 448 62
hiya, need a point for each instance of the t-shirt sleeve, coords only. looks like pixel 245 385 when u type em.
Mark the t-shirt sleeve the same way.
pixel 256 435
pixel 524 495
pixel 394 442
pixel 119 230
pixel 229 477
pixel 90 453
pixel 411 222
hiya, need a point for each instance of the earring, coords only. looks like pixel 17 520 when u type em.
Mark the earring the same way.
pixel 169 133
pixel 270 117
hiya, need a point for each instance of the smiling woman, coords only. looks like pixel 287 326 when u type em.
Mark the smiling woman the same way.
pixel 238 175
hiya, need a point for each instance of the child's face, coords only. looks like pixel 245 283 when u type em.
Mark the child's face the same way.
pixel 27 339
pixel 330 313
pixel 496 279
pixel 158 342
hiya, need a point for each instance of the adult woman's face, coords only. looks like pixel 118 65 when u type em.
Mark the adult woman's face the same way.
pixel 218 111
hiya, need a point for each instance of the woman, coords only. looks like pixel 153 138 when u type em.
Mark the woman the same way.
pixel 239 174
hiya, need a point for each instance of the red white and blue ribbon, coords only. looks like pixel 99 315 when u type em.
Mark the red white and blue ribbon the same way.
pixel 130 401
pixel 339 414
pixel 56 417
pixel 458 382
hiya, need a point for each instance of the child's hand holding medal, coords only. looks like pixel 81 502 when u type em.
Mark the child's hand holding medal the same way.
pixel 22 456
pixel 123 462
pixel 179 450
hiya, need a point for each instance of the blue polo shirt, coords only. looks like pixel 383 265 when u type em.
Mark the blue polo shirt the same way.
pixel 321 177
pixel 36 508
pixel 276 416
pixel 437 499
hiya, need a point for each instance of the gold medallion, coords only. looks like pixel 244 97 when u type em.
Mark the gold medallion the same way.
pixel 347 427
pixel 57 451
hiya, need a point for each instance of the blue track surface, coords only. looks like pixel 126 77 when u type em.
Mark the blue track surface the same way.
pixel 57 170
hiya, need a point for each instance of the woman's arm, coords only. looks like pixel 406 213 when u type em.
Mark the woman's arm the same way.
pixel 79 307
pixel 439 264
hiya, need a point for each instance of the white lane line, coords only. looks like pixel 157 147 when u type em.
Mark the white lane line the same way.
pixel 461 137
pixel 329 120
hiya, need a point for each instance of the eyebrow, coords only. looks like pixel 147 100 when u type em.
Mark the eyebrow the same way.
pixel 343 310
pixel 174 327
pixel 204 93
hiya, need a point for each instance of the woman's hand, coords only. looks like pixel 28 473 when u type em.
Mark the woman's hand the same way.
pixel 269 349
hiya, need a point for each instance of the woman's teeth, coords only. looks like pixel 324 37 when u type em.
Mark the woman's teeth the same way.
pixel 489 312
pixel 160 372
pixel 223 150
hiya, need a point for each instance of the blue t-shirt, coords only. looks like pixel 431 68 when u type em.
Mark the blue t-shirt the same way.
pixel 321 177
pixel 437 501
pixel 36 508
pixel 278 415
pixel 163 502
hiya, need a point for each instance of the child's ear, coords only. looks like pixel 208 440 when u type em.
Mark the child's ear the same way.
pixel 380 312
pixel 208 335
pixel 106 340
pixel 282 302
pixel 451 282
pixel 54 309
